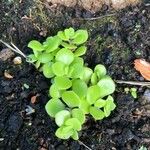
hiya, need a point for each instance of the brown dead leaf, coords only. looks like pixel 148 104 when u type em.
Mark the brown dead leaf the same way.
pixel 143 67
pixel 34 98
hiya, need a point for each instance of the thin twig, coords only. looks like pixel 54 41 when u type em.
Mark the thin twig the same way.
pixel 133 83
pixel 14 48
pixel 19 51
pixel 96 18
pixel 84 145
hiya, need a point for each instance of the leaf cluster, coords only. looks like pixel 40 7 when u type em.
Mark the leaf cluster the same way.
pixel 76 90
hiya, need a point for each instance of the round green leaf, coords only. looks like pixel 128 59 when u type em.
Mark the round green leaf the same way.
pixel 75 70
pixel 107 86
pixel 74 122
pixel 68 46
pixel 71 98
pixel 109 106
pixel 62 36
pixel 52 43
pixel 78 113
pixel 94 79
pixel 45 58
pixel 96 113
pixel 75 135
pixel 64 132
pixel 65 56
pixel 87 73
pixel 80 51
pixel 47 70
pixel 84 106
pixel 35 45
pixel 78 60
pixel 80 37
pixel 100 103
pixel 100 70
pixel 79 87
pixel 62 83
pixel 93 94
pixel 58 68
pixel 54 91
pixel 69 33
pixel 61 116
pixel 31 58
pixel 53 106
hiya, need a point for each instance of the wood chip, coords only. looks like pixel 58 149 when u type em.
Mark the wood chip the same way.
pixel 7 75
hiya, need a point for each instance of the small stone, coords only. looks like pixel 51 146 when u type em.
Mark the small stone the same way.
pixel 5 54
pixel 17 60
pixel 145 98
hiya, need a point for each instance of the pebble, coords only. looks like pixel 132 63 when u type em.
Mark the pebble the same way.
pixel 145 98
pixel 17 60
pixel 5 54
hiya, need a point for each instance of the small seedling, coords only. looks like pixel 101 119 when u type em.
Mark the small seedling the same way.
pixel 76 90
pixel 133 92
pixel 26 86
pixel 143 148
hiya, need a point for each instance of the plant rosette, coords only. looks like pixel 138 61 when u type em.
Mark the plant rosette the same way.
pixel 76 90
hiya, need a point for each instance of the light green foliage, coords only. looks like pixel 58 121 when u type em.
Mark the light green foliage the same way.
pixel 143 148
pixel 36 46
pixel 76 90
pixel 61 116
pixel 47 70
pixel 54 106
pixel 79 87
pixel 133 91
pixel 93 94
pixel 71 98
pixel 65 56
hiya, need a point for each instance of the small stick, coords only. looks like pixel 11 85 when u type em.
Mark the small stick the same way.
pixel 96 18
pixel 19 51
pixel 84 145
pixel 133 82
pixel 14 48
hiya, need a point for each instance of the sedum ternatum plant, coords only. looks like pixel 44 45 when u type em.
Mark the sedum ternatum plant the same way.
pixel 76 90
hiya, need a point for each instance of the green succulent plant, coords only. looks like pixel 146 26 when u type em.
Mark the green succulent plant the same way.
pixel 76 89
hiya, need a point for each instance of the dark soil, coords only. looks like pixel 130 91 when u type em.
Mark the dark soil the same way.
pixel 115 40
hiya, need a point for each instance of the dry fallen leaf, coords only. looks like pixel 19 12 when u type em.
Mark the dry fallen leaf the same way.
pixel 34 98
pixel 143 67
